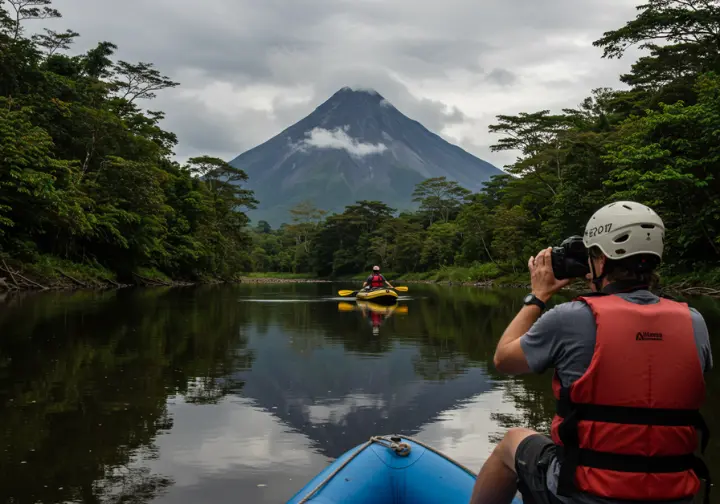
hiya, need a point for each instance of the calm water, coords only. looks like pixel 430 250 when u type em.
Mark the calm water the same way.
pixel 241 394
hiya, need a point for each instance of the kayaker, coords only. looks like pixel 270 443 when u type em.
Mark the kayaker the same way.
pixel 624 359
pixel 376 280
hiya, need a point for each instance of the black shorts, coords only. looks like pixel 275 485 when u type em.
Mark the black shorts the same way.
pixel 534 455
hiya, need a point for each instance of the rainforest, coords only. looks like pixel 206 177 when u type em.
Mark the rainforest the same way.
pixel 90 191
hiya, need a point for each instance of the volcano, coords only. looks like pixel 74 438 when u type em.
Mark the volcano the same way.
pixel 354 146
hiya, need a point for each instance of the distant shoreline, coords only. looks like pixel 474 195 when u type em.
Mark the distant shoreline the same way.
pixel 14 279
pixel 674 287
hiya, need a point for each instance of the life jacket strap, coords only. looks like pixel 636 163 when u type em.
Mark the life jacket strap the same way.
pixel 570 455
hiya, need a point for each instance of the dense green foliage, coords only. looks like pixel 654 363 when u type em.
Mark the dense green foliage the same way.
pixel 655 141
pixel 86 175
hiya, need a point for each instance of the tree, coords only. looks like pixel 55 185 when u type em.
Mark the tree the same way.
pixel 305 221
pixel 538 137
pixel 440 197
pixel 30 9
pixel 509 238
pixel 683 39
pixel 475 224
pixel 139 81
pixel 668 160
pixel 224 181
pixel 53 41
pixel 87 175
pixel 263 227
pixel 440 244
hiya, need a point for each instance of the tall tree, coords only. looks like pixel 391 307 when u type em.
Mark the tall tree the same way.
pixel 439 197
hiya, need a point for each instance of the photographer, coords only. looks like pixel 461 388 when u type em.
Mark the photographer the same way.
pixel 628 377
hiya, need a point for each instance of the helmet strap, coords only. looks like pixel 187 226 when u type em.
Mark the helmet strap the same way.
pixel 597 279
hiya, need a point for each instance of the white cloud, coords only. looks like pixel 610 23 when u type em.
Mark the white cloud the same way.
pixel 250 69
pixel 337 411
pixel 339 139
pixel 465 434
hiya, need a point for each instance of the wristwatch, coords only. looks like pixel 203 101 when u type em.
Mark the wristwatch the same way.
pixel 532 299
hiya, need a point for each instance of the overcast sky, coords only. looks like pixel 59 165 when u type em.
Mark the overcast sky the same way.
pixel 250 68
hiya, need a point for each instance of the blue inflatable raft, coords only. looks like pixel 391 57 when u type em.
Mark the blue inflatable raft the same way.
pixel 390 470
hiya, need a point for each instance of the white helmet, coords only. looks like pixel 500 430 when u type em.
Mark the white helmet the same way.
pixel 624 229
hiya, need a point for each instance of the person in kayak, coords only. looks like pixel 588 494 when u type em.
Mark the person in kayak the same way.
pixel 376 280
pixel 628 379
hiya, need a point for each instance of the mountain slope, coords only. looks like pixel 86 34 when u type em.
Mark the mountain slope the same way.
pixel 354 146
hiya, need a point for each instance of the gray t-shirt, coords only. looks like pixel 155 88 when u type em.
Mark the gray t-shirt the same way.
pixel 564 338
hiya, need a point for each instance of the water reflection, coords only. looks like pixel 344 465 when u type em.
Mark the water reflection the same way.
pixel 232 452
pixel 227 394
pixel 84 380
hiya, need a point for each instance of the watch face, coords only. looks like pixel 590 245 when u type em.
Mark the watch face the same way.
pixel 528 298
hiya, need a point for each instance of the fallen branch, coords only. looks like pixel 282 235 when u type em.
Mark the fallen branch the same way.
pixel 81 284
pixel 108 280
pixel 152 281
pixel 26 280
pixel 5 285
pixel 705 291
pixel 8 270
pixel 39 286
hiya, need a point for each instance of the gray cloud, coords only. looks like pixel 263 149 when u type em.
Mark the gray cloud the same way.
pixel 501 77
pixel 249 69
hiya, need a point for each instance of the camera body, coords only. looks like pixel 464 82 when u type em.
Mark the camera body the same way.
pixel 570 259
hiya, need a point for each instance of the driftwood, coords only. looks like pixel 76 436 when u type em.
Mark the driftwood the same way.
pixel 110 281
pixel 150 281
pixel 14 274
pixel 701 291
pixel 8 270
pixel 81 284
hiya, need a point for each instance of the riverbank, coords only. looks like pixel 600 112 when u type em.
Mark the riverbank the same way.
pixel 281 278
pixel 699 283
pixel 52 274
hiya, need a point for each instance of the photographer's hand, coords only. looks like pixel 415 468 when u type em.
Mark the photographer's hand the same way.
pixel 542 278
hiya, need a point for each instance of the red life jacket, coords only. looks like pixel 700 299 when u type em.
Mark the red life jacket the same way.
pixel 377 280
pixel 626 429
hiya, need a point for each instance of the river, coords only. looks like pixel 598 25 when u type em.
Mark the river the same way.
pixel 227 394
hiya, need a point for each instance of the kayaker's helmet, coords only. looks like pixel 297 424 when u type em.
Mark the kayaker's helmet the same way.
pixel 376 268
pixel 624 229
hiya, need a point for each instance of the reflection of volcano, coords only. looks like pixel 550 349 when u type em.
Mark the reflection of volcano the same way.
pixel 339 398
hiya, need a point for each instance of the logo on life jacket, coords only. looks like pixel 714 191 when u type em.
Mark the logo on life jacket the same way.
pixel 648 336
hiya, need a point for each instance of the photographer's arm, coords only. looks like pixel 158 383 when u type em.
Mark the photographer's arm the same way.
pixel 509 356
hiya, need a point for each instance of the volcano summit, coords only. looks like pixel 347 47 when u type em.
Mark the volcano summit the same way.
pixel 354 146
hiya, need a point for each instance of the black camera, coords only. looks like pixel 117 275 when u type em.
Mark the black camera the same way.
pixel 570 259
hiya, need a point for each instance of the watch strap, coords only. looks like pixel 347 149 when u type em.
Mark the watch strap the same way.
pixel 532 299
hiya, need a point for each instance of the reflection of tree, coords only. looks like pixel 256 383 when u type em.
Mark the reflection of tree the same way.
pixel 534 403
pixel 84 380
pixel 435 365
pixel 127 485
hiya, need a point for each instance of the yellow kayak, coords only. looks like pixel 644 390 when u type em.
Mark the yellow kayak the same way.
pixel 380 296
pixel 386 310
